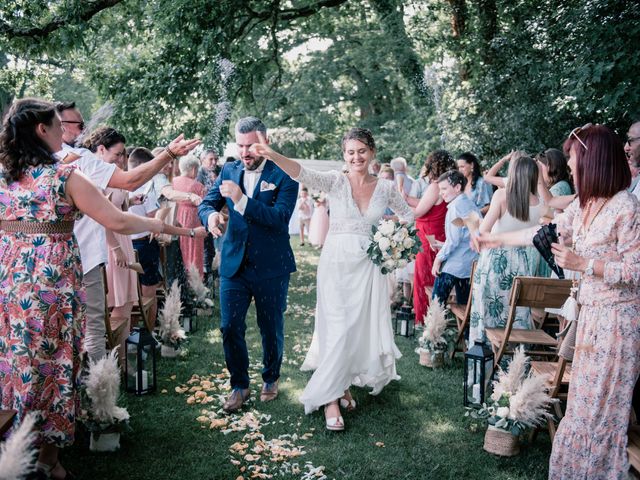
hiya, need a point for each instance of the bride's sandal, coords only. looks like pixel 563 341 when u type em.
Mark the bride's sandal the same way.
pixel 347 402
pixel 334 424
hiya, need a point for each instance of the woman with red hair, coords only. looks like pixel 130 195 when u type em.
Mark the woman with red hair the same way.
pixel 600 237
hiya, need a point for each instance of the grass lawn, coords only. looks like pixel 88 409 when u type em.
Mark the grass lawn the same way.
pixel 415 429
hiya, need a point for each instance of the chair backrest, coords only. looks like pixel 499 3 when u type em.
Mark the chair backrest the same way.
pixel 537 292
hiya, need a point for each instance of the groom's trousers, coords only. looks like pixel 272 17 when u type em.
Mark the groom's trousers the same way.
pixel 270 297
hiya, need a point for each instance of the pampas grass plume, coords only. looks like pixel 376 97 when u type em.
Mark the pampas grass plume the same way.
pixel 198 287
pixel 509 381
pixel 169 317
pixel 530 403
pixel 103 388
pixel 435 323
pixel 17 454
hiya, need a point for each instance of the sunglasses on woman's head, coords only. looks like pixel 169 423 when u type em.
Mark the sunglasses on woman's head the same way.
pixel 577 130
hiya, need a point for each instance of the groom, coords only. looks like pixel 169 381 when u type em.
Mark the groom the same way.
pixel 256 258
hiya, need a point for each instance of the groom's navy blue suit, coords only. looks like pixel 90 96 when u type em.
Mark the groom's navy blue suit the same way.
pixel 256 262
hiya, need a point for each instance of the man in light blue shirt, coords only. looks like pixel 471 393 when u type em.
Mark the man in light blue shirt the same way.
pixel 452 265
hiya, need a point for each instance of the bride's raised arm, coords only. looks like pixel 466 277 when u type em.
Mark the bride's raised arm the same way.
pixel 318 180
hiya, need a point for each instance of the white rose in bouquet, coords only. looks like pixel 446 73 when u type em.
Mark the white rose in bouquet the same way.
pixel 408 242
pixel 390 264
pixel 377 236
pixel 384 243
pixel 399 237
pixel 386 228
pixel 502 412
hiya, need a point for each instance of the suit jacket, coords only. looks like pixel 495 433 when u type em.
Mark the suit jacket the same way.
pixel 259 239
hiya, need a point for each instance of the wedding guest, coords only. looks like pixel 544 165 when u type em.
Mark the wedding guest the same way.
pixel 319 224
pixel 430 216
pixel 418 188
pixel 479 191
pixel 555 172
pixel 375 168
pixel 632 151
pixel 452 265
pixel 42 319
pixel 91 235
pixel 122 285
pixel 257 259
pixel 403 180
pixel 352 342
pixel 512 208
pixel 187 215
pixel 304 207
pixel 209 171
pixel 599 235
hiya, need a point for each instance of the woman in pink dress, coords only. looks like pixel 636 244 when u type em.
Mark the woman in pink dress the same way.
pixel 122 286
pixel 192 248
pixel 601 233
pixel 319 225
pixel 430 214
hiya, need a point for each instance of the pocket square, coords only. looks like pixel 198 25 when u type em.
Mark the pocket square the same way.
pixel 265 187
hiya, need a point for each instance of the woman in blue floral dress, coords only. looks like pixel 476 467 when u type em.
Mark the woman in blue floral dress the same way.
pixel 41 294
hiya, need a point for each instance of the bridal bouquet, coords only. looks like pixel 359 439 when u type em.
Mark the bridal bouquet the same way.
pixel 393 245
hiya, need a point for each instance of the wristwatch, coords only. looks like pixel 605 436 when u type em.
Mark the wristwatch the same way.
pixel 589 269
pixel 192 233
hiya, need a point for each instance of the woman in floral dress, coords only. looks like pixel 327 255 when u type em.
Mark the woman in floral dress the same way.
pixel 601 232
pixel 41 294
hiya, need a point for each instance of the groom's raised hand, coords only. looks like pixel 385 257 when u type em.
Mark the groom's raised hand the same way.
pixel 216 224
pixel 262 148
pixel 230 189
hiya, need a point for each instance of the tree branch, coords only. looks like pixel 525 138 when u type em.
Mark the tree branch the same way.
pixel 91 8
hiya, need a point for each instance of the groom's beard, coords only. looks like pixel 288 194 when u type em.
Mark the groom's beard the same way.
pixel 256 162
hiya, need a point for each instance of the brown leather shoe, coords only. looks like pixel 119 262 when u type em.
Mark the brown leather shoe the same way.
pixel 269 392
pixel 236 399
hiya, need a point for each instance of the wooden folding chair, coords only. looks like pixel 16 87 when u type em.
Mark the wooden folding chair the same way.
pixel 532 292
pixel 558 378
pixel 462 314
pixel 6 420
pixel 141 310
pixel 112 335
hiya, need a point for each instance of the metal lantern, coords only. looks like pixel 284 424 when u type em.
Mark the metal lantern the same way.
pixel 140 365
pixel 189 319
pixel 404 322
pixel 478 369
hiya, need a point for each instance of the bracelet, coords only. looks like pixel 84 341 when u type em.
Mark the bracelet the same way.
pixel 117 247
pixel 192 233
pixel 171 153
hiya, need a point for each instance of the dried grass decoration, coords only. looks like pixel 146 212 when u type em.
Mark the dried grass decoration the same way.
pixel 435 338
pixel 519 401
pixel 171 333
pixel 104 419
pixel 200 291
pixel 17 454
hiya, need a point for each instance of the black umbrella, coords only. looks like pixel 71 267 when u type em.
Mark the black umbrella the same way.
pixel 542 241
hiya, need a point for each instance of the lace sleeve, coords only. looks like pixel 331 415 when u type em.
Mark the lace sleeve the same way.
pixel 398 205
pixel 324 181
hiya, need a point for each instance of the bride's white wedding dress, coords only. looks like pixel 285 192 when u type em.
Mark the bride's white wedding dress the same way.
pixel 353 339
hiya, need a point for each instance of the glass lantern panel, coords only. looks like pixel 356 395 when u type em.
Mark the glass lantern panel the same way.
pixel 132 366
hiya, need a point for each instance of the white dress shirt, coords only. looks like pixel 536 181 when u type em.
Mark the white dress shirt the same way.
pixel 89 233
pixel 250 180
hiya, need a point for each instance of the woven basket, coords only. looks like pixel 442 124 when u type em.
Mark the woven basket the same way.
pixel 501 443
pixel 431 359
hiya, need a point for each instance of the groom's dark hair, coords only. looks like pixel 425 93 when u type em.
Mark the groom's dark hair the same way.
pixel 250 124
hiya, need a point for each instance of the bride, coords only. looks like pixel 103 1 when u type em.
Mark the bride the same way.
pixel 353 341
